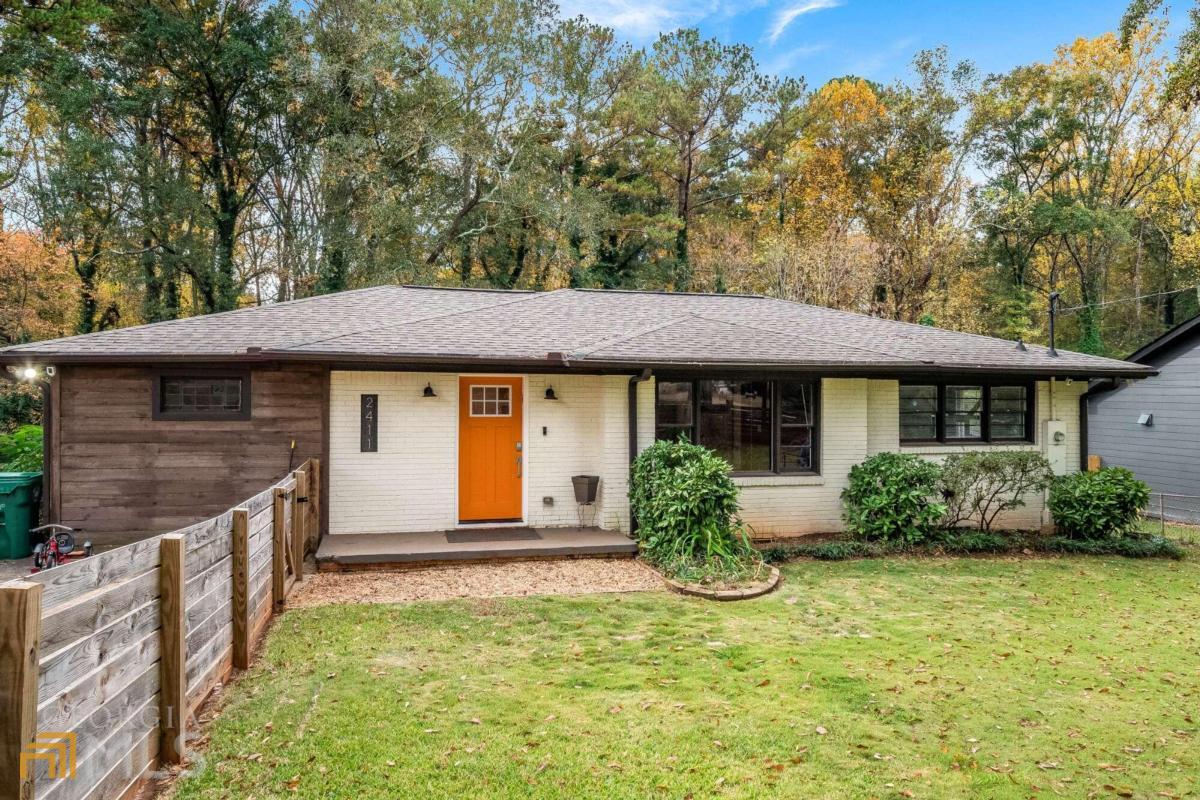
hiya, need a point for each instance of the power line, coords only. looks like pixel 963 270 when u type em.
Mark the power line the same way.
pixel 1129 299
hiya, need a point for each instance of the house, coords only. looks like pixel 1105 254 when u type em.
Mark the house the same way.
pixel 1153 426
pixel 436 409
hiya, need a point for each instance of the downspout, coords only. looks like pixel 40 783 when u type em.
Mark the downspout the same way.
pixel 1099 387
pixel 641 377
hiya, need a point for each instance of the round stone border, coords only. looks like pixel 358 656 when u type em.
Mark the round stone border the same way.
pixel 725 595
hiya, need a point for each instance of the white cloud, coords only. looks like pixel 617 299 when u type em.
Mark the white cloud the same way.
pixel 638 19
pixel 788 15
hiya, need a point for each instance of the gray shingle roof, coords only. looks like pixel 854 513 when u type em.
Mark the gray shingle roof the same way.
pixel 586 328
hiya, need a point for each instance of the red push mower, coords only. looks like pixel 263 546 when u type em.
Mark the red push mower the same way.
pixel 56 546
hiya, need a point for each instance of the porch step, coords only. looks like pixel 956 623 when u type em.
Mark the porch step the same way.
pixel 364 550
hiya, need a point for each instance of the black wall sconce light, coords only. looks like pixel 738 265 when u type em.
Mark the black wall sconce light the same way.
pixel 429 392
pixel 550 395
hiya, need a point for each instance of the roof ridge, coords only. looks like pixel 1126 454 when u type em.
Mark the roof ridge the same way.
pixel 670 293
pixel 213 315
pixel 480 289
pixel 927 328
pixel 614 340
pixel 414 320
pixel 765 329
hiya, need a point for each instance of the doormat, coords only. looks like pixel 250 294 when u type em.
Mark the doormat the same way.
pixel 492 535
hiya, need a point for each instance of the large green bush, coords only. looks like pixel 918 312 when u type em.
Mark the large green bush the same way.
pixel 686 507
pixel 892 497
pixel 978 487
pixel 21 450
pixel 1096 505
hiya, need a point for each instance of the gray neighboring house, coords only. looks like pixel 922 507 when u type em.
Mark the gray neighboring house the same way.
pixel 1152 426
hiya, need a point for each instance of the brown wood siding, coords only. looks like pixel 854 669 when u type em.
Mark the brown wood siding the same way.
pixel 122 473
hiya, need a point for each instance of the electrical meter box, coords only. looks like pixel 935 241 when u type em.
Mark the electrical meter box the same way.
pixel 1056 446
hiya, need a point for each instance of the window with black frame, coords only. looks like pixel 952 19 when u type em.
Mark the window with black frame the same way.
pixel 202 397
pixel 759 426
pixel 961 413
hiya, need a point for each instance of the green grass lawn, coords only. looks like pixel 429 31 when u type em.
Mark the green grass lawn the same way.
pixel 954 678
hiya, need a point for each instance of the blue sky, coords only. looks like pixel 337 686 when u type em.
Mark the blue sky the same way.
pixel 823 39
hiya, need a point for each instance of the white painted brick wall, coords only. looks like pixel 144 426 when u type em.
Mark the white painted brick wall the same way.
pixel 410 484
pixel 794 506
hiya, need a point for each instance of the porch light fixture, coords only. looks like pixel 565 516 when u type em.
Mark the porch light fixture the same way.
pixel 30 373
pixel 550 395
pixel 429 392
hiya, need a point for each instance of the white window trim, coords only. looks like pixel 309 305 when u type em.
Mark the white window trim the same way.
pixel 471 400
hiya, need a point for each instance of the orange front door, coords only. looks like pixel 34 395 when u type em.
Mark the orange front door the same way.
pixel 490 457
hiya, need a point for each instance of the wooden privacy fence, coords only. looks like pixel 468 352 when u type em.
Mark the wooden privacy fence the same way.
pixel 104 661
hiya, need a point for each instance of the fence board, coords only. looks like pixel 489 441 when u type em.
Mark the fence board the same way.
pixel 91 731
pixel 202 608
pixel 206 555
pixel 64 711
pixel 128 771
pixel 64 583
pixel 79 618
pixel 202 583
pixel 206 531
pixel 214 624
pixel 206 669
pixel 71 664
pixel 123 740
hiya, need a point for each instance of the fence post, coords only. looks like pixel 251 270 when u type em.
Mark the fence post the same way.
pixel 314 502
pixel 173 666
pixel 20 629
pixel 241 588
pixel 299 520
pixel 278 552
pixel 1162 517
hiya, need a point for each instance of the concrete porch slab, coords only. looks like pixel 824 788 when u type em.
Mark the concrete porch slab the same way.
pixel 363 550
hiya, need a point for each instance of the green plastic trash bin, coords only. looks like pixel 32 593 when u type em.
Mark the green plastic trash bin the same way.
pixel 19 496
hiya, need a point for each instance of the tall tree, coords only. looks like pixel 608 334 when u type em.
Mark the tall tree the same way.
pixel 693 101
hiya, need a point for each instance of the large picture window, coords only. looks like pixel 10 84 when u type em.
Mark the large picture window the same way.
pixel 966 412
pixel 224 396
pixel 758 426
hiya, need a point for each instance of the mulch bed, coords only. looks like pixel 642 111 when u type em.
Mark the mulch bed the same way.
pixel 501 579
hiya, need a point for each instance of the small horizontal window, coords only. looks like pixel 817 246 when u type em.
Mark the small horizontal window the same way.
pixel 962 412
pixel 202 397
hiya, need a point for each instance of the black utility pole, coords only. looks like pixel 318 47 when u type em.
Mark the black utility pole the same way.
pixel 1053 314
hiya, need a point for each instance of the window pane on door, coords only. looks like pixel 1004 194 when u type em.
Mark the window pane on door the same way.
pixel 491 401
pixel 735 421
